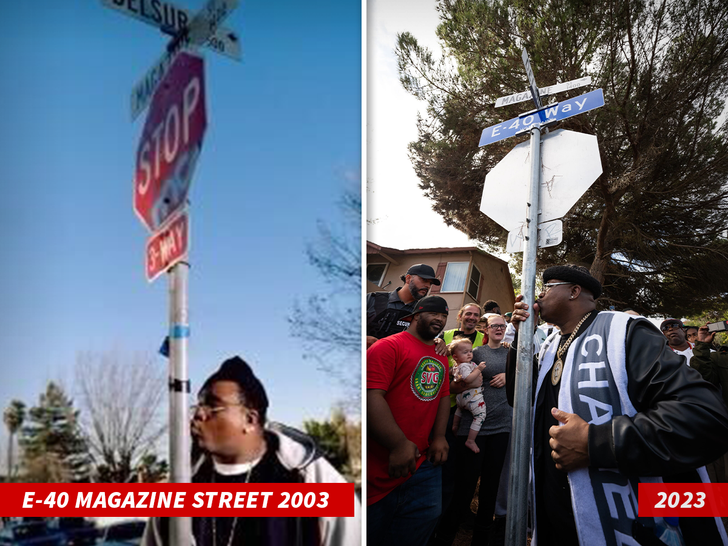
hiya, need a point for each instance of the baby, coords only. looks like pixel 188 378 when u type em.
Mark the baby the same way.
pixel 461 351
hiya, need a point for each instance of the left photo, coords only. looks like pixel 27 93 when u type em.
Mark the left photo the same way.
pixel 181 235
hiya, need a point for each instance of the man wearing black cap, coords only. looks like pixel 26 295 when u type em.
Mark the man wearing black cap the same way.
pixel 676 335
pixel 386 311
pixel 408 405
pixel 613 406
pixel 235 445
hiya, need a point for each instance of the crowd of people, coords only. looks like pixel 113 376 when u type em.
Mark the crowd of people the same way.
pixel 616 401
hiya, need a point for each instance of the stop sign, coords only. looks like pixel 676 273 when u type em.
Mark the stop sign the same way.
pixel 171 141
pixel 570 163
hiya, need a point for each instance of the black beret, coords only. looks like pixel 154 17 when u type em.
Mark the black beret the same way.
pixel 237 370
pixel 576 274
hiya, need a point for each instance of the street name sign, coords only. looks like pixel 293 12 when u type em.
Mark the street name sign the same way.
pixel 543 91
pixel 552 112
pixel 203 25
pixel 170 18
pixel 168 246
pixel 570 163
pixel 549 234
pixel 531 80
pixel 171 142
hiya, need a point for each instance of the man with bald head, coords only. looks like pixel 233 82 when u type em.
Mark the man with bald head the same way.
pixel 613 406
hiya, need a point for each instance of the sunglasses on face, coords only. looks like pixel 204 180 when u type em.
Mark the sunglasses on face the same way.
pixel 673 326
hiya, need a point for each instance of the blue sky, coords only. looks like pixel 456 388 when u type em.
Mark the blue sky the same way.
pixel 283 137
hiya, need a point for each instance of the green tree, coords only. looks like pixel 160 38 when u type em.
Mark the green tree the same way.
pixel 13 417
pixel 151 469
pixel 340 441
pixel 54 449
pixel 651 228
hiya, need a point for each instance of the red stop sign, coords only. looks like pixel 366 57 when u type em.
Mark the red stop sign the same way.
pixel 171 142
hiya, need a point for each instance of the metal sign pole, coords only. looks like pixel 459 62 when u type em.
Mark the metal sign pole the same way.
pixel 518 491
pixel 179 387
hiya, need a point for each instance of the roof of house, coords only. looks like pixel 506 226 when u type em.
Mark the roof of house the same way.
pixel 373 248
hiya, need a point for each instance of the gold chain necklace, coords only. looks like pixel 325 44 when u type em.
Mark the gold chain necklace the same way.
pixel 235 519
pixel 559 365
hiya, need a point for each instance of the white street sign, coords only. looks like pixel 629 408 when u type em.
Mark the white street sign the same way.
pixel 171 18
pixel 531 79
pixel 549 234
pixel 543 91
pixel 570 163
pixel 203 25
pixel 207 21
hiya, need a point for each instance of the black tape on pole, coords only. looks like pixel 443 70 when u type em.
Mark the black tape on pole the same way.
pixel 176 385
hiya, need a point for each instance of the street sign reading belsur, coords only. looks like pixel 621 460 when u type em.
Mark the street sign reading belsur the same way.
pixel 168 246
pixel 171 142
pixel 172 18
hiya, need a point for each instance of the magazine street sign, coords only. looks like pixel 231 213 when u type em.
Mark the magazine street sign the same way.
pixel 553 112
pixel 168 246
pixel 171 142
pixel 203 25
pixel 543 91
pixel 172 19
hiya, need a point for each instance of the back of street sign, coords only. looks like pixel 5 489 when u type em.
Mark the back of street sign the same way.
pixel 570 163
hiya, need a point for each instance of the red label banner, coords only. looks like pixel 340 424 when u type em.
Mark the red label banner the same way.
pixel 166 499
pixel 683 499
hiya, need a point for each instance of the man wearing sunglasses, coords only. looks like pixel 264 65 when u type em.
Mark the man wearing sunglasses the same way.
pixel 613 406
pixel 233 443
pixel 676 336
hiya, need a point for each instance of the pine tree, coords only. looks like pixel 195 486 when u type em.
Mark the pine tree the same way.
pixel 652 227
pixel 53 445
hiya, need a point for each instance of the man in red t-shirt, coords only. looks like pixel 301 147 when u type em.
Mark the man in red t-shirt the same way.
pixel 408 405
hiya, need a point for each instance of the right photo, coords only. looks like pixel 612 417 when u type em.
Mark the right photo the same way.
pixel 546 257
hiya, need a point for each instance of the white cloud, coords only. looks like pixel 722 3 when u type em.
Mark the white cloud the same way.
pixel 402 217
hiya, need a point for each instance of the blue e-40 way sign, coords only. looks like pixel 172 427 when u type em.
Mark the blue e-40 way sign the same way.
pixel 554 112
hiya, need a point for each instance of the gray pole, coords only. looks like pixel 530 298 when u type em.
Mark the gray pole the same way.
pixel 518 490
pixel 179 387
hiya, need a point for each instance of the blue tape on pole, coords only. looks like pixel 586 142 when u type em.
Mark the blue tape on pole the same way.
pixel 178 331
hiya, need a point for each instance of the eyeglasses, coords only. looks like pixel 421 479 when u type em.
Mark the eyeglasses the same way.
pixel 205 411
pixel 548 286
pixel 671 326
pixel 498 327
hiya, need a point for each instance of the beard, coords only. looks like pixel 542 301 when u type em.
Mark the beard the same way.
pixel 415 292
pixel 427 330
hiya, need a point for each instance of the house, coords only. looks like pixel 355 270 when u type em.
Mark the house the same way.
pixel 467 274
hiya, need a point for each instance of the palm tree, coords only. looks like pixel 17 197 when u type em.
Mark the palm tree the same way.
pixel 13 417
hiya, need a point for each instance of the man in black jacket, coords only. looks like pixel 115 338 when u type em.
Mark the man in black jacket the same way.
pixel 386 311
pixel 236 444
pixel 613 405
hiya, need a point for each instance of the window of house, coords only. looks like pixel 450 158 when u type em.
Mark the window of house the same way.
pixel 456 274
pixel 375 273
pixel 474 283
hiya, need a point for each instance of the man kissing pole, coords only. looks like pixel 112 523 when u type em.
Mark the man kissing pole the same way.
pixel 614 406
